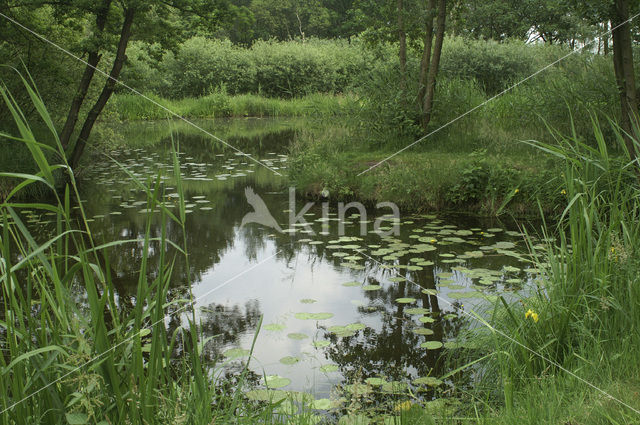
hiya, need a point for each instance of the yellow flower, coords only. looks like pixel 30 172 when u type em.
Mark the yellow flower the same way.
pixel 532 314
pixel 516 191
pixel 433 241
pixel 563 192
pixel 405 405
pixel 613 250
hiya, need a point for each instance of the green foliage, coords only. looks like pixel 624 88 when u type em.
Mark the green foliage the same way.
pixel 274 69
pixel 583 315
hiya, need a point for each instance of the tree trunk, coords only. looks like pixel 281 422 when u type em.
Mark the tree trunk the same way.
pixel 435 64
pixel 605 39
pixel 87 76
pixel 107 90
pixel 625 78
pixel 402 40
pixel 426 51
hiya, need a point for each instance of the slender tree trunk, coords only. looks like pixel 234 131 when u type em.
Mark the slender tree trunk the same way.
pixel 87 76
pixel 107 90
pixel 435 64
pixel 402 40
pixel 426 51
pixel 625 77
pixel 605 39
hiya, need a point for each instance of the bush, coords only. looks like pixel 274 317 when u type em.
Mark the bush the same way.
pixel 201 66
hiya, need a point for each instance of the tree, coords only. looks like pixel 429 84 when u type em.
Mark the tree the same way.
pixel 289 19
pixel 111 25
pixel 623 67
pixel 431 61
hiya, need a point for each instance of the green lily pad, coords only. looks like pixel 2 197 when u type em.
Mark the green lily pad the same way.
pixel 297 336
pixel 417 310
pixel 321 343
pixel 321 404
pixel 371 287
pixel 355 327
pixel 431 345
pixel 422 331
pixel 426 319
pixel 349 284
pixel 236 353
pixel 289 360
pixel 276 381
pixel 313 316
pixel 397 279
pixel 329 368
pixel 407 300
pixel 308 301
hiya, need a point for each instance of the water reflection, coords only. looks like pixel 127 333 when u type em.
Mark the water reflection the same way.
pixel 369 333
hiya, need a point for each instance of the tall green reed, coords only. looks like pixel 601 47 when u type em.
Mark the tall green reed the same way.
pixel 66 360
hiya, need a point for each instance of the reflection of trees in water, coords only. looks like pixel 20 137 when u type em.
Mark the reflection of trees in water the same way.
pixel 226 323
pixel 393 350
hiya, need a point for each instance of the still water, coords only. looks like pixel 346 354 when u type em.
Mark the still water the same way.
pixel 349 310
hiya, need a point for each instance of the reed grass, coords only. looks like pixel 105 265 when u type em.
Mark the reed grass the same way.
pixel 584 335
pixel 66 360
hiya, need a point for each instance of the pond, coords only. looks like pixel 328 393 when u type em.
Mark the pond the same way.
pixel 342 309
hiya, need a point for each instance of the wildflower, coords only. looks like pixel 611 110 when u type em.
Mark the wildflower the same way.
pixel 516 191
pixel 563 192
pixel 532 314
pixel 433 241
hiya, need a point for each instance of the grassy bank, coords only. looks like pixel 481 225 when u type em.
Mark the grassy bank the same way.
pixel 443 177
pixel 584 316
pixel 222 105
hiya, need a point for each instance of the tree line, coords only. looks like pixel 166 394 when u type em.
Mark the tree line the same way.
pixel 100 32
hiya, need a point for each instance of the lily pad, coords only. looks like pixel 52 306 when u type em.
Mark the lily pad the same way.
pixel 407 300
pixel 321 343
pixel 236 353
pixel 298 336
pixel 276 381
pixel 371 287
pixel 329 368
pixel 431 345
pixel 321 404
pixel 422 331
pixel 308 301
pixel 417 310
pixel 313 316
pixel 289 360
